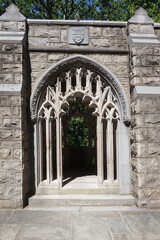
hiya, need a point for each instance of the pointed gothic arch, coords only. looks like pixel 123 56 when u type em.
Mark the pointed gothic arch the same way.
pixel 62 84
pixel 79 60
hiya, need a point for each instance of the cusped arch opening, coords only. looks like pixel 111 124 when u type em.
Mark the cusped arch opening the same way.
pixel 79 62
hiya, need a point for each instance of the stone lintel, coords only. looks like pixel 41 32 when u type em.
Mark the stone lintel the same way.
pixel 11 37
pixel 146 91
pixel 10 89
pixel 142 38
pixel 77 23
pixel 12 13
pixel 141 17
pixel 79 50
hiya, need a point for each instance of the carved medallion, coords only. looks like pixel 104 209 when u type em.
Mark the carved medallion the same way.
pixel 78 35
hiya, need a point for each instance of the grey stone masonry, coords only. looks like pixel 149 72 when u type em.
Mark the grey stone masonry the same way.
pixel 145 107
pixel 125 54
pixel 12 109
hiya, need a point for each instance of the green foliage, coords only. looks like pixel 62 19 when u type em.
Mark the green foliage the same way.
pixel 112 10
pixel 77 132
pixel 123 10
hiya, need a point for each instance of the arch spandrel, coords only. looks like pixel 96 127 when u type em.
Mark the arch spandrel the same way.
pixel 79 61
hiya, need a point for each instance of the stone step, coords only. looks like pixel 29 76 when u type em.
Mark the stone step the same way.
pixel 81 200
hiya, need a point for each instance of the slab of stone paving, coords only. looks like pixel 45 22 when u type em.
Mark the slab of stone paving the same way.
pixel 40 217
pixel 117 226
pixel 4 214
pixel 79 225
pixel 46 232
pixel 86 228
pixel 9 232
pixel 141 222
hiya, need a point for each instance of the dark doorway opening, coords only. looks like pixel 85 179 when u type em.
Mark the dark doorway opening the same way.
pixel 79 142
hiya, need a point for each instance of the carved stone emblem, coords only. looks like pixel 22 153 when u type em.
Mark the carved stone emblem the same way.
pixel 78 35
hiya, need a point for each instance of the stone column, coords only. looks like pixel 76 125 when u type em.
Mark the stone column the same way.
pixel 145 92
pixel 14 182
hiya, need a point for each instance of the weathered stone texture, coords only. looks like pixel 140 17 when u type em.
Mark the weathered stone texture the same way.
pixel 100 37
pixel 145 124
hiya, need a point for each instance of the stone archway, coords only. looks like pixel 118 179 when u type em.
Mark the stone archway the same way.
pixel 81 78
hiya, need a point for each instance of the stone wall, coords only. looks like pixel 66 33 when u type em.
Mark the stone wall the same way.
pixel 145 111
pixel 13 112
pixel 131 51
pixel 49 43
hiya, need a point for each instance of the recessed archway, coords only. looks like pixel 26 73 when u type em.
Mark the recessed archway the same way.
pixel 72 79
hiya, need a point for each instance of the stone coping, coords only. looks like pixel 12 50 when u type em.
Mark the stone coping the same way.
pixel 10 89
pixel 79 50
pixel 146 91
pixel 77 23
pixel 82 22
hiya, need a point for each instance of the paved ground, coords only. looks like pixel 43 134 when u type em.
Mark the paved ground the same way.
pixel 86 224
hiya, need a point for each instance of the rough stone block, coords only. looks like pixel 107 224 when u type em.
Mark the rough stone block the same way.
pixel 150 60
pixel 17 154
pixel 11 122
pixel 38 57
pixel 10 100
pixel 18 133
pixel 145 134
pixel 47 31
pixel 155 204
pixel 121 59
pixel 6 57
pixel 95 32
pixel 139 50
pixel 56 57
pixel 36 41
pixel 11 48
pixel 153 148
pixel 10 191
pixel 139 150
pixel 6 134
pixel 63 35
pixel 38 66
pixel 146 28
pixel 5 153
pixel 6 177
pixel 21 26
pixel 135 60
pixel 18 78
pixel 151 119
pixel 101 42
pixel 6 78
pixel 18 178
pixel 9 25
pixel 6 111
pixel 12 165
pixel 146 105
pixel 14 67
pixel 146 71
pixel 116 32
pixel 18 58
pixel 152 81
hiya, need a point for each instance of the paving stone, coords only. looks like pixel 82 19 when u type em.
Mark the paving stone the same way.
pixel 152 236
pixel 121 237
pixel 117 226
pixel 40 217
pixel 156 216
pixel 44 232
pixel 4 214
pixel 86 228
pixel 96 214
pixel 9 232
pixel 141 222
